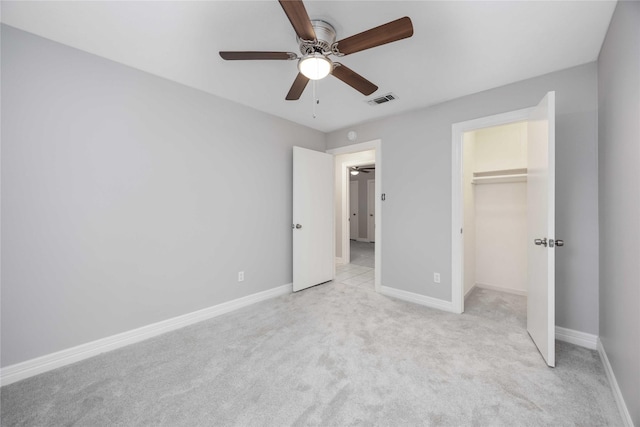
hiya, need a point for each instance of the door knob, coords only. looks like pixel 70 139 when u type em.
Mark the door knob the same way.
pixel 559 242
pixel 298 226
pixel 541 242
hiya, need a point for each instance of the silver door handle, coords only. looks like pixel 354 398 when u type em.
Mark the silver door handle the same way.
pixel 542 242
pixel 298 226
pixel 559 242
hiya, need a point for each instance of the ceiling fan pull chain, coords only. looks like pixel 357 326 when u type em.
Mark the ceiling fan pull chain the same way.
pixel 315 99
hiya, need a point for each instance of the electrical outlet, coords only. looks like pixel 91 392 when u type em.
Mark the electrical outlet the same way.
pixel 436 277
pixel 241 276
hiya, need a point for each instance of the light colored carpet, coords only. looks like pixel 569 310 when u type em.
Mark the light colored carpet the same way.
pixel 500 307
pixel 362 253
pixel 335 354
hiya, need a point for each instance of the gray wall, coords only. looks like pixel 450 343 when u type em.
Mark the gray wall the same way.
pixel 363 197
pixel 128 199
pixel 416 151
pixel 619 183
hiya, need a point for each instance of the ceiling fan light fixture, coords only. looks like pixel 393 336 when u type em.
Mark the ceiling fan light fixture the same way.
pixel 315 66
pixel 354 172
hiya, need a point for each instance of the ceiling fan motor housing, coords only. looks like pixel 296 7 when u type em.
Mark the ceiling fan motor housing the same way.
pixel 325 38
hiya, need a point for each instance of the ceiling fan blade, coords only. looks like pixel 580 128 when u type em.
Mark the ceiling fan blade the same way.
pixel 390 32
pixel 235 55
pixel 360 169
pixel 297 88
pixel 353 79
pixel 299 18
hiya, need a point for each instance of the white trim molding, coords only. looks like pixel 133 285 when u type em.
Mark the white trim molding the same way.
pixel 501 289
pixel 29 368
pixel 466 295
pixel 417 299
pixel 582 339
pixel 617 393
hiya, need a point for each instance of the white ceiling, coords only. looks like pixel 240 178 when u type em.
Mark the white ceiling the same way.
pixel 458 47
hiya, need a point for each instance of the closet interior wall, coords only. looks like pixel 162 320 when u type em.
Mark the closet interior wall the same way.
pixel 495 208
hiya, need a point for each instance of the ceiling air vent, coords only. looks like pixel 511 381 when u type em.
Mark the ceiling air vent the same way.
pixel 383 99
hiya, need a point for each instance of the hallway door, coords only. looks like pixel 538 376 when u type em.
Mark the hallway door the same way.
pixel 371 210
pixel 354 217
pixel 313 234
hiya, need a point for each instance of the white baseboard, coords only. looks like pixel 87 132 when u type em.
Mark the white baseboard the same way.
pixel 417 298
pixel 617 394
pixel 592 342
pixel 582 339
pixel 469 292
pixel 29 368
pixel 501 289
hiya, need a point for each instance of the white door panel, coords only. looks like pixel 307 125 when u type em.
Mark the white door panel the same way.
pixel 541 227
pixel 313 233
pixel 354 208
pixel 371 209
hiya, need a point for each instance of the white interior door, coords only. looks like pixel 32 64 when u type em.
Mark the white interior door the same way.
pixel 541 319
pixel 353 210
pixel 371 209
pixel 313 234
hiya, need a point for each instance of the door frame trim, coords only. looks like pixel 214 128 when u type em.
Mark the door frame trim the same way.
pixel 376 145
pixel 457 204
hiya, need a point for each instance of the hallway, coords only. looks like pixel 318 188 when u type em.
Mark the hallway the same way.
pixel 362 253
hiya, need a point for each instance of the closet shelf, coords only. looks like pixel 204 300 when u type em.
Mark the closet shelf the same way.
pixel 500 176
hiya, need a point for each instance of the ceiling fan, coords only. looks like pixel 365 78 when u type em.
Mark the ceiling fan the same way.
pixel 355 170
pixel 317 40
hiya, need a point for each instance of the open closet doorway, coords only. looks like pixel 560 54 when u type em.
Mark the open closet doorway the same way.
pixel 358 222
pixel 471 174
pixel 494 187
